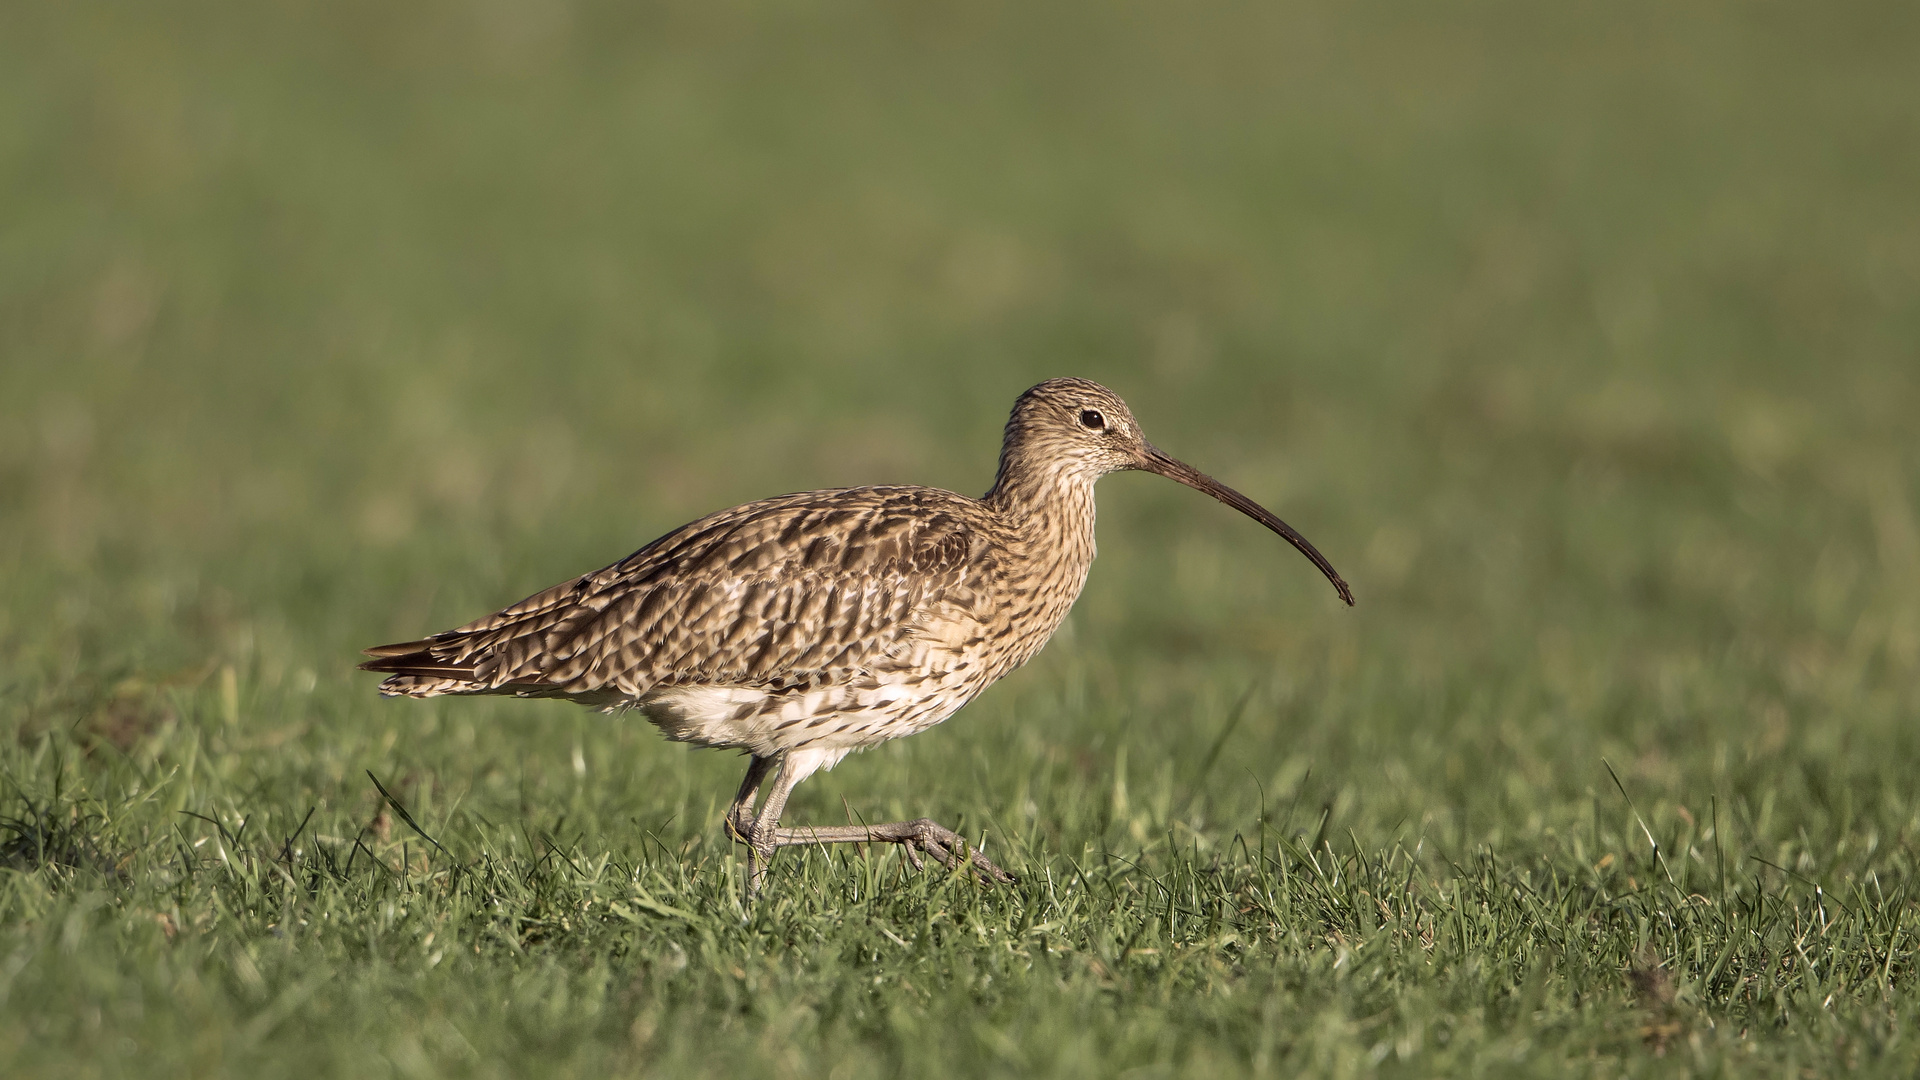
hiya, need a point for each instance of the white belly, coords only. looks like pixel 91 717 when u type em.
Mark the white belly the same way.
pixel 929 675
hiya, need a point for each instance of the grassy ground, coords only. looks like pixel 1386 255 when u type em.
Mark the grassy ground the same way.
pixel 1580 336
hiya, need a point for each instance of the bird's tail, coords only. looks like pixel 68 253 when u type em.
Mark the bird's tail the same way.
pixel 414 671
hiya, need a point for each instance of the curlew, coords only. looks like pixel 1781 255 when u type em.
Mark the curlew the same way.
pixel 801 628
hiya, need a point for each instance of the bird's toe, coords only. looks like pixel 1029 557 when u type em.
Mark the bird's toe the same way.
pixel 945 845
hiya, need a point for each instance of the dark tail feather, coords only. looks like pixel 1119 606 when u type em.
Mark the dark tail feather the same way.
pixel 401 648
pixel 414 658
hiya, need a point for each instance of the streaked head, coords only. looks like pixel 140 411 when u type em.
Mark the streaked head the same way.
pixel 1073 428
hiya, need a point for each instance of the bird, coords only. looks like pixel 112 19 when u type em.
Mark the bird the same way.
pixel 801 628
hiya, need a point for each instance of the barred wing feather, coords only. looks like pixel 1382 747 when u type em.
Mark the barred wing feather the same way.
pixel 787 592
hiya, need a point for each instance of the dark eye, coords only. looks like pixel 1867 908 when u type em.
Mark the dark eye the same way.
pixel 1092 420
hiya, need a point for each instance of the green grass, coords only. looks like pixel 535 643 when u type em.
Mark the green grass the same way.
pixel 1582 338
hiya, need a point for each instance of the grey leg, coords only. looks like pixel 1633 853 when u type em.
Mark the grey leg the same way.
pixel 920 834
pixel 739 820
pixel 759 833
pixel 763 835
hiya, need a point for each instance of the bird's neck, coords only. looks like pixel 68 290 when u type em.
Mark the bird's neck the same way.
pixel 1050 514
pixel 1046 495
pixel 1052 510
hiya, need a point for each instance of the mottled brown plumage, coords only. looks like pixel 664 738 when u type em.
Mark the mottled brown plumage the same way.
pixel 803 627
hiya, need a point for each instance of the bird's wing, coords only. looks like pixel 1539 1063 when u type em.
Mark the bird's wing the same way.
pixel 785 593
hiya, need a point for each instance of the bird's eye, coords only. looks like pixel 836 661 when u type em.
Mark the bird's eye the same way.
pixel 1092 420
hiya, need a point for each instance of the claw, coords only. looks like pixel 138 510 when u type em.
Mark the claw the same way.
pixel 923 836
pixel 945 844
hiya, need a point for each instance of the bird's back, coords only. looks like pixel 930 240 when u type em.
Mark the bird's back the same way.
pixel 780 595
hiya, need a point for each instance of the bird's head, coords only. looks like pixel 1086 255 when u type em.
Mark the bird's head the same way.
pixel 1076 430
pixel 1075 426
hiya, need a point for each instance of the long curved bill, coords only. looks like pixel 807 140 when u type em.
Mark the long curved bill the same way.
pixel 1175 469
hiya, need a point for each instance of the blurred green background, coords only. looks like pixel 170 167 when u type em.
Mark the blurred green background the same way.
pixel 1581 337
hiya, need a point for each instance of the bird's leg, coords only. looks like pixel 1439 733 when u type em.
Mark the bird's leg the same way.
pixel 920 834
pixel 759 833
pixel 763 834
pixel 739 820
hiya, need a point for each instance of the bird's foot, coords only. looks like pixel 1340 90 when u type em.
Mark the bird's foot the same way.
pixel 922 836
pixel 760 844
pixel 925 834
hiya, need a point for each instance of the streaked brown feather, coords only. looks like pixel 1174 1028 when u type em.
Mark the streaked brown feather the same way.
pixel 805 627
pixel 419 664
pixel 403 648
pixel 791 591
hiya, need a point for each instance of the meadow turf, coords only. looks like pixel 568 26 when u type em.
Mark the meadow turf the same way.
pixel 1581 337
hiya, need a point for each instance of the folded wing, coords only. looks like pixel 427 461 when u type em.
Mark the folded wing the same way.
pixel 785 593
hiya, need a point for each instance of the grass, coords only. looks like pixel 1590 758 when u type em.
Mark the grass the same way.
pixel 1580 337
